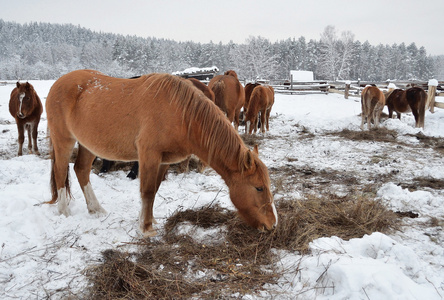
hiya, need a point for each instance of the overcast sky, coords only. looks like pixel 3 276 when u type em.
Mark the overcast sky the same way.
pixel 378 21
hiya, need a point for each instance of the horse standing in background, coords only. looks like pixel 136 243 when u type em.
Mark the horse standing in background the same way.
pixel 404 101
pixel 372 104
pixel 249 87
pixel 26 108
pixel 260 104
pixel 229 95
pixel 157 119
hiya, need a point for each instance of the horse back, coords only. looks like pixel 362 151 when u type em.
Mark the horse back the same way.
pixel 228 92
pixel 415 95
pixel 397 101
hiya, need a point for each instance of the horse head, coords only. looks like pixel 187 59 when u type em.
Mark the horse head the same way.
pixel 25 100
pixel 251 195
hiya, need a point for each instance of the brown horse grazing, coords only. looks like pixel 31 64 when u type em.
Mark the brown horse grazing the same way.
pixel 261 102
pixel 229 95
pixel 249 87
pixel 411 100
pixel 25 106
pixel 372 104
pixel 157 119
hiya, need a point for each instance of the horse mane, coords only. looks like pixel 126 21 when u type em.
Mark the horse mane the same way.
pixel 217 134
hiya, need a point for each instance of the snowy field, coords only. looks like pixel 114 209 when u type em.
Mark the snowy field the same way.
pixel 43 252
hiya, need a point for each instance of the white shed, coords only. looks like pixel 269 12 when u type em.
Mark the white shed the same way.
pixel 302 76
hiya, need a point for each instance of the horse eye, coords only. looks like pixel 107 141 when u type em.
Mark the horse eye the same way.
pixel 259 189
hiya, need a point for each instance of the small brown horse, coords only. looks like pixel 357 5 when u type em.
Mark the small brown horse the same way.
pixel 26 108
pixel 405 101
pixel 249 87
pixel 157 119
pixel 372 104
pixel 229 95
pixel 261 102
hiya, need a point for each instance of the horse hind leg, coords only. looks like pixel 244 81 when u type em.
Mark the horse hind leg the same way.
pixel 263 116
pixel 59 176
pixel 82 167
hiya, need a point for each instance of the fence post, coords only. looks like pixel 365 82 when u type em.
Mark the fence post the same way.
pixel 347 89
pixel 430 104
pixel 291 81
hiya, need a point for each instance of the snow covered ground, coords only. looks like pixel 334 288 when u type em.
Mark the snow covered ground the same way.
pixel 42 251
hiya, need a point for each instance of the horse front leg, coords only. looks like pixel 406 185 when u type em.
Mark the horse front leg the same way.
pixel 21 137
pixel 28 128
pixel 82 167
pixel 151 174
pixel 34 138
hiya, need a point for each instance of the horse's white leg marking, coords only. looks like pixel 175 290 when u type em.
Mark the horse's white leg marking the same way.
pixel 63 202
pixel 247 127
pixel 21 96
pixel 91 200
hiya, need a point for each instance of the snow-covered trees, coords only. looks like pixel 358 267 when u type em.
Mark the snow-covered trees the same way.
pixel 47 51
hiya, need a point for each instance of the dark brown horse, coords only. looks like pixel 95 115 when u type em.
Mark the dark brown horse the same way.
pixel 157 119
pixel 405 101
pixel 26 108
pixel 229 95
pixel 260 104
pixel 372 104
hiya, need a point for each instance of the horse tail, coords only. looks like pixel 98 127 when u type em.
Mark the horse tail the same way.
pixel 54 192
pixel 219 95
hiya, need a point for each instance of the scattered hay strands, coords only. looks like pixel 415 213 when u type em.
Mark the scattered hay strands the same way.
pixel 239 260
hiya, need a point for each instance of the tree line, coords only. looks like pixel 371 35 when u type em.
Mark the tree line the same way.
pixel 47 51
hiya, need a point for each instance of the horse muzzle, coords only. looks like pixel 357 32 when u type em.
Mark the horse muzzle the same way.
pixel 20 115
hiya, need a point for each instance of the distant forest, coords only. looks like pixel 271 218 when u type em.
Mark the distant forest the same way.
pixel 47 51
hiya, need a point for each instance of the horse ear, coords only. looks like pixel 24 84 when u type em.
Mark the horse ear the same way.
pixel 256 149
pixel 248 161
pixel 28 86
pixel 18 84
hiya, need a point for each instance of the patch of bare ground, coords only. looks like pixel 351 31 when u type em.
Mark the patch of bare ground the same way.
pixel 240 261
pixel 380 134
pixel 424 182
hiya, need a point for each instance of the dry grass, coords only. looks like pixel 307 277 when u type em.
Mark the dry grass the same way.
pixel 239 260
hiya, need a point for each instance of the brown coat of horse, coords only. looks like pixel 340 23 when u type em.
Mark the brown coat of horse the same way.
pixel 203 87
pixel 405 101
pixel 157 119
pixel 229 95
pixel 261 102
pixel 26 108
pixel 372 104
pixel 249 87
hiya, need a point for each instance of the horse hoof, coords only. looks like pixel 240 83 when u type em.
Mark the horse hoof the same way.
pixel 101 212
pixel 149 233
